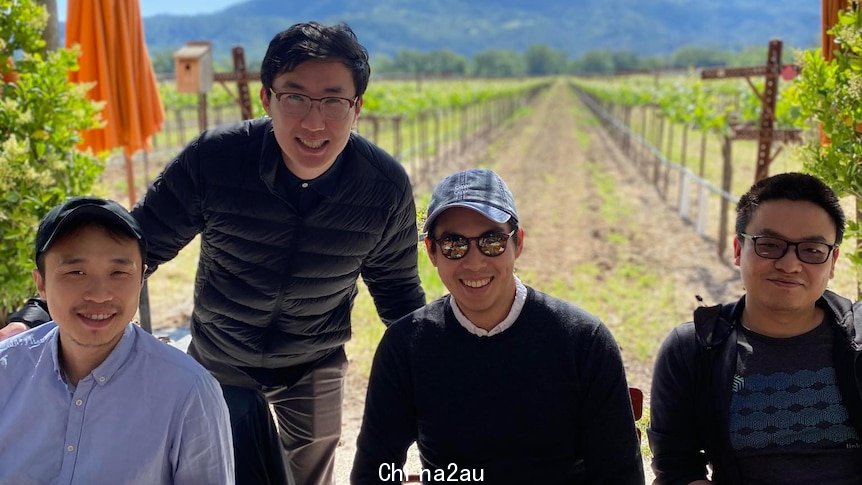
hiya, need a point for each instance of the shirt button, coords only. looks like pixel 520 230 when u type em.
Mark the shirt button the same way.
pixel 305 185
pixel 70 448
pixel 102 379
pixel 79 402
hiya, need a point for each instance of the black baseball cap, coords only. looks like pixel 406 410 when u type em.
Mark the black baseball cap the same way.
pixel 77 211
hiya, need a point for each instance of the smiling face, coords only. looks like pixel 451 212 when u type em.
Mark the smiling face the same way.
pixel 310 144
pixel 92 282
pixel 785 289
pixel 482 286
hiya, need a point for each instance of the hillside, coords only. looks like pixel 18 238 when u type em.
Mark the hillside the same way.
pixel 646 27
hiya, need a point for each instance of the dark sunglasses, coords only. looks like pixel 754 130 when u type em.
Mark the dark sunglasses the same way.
pixel 456 246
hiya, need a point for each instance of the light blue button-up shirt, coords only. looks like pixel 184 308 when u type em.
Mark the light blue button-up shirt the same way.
pixel 148 414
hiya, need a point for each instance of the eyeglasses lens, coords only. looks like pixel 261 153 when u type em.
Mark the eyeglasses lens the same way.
pixel 299 105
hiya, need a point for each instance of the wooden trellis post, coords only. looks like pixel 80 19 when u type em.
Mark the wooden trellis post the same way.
pixel 765 133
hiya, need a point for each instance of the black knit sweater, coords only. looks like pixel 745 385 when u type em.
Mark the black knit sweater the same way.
pixel 545 401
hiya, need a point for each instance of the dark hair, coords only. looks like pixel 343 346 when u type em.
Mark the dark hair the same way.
pixel 115 230
pixel 311 40
pixel 790 186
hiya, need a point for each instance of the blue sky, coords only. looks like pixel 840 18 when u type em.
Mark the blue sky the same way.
pixel 177 7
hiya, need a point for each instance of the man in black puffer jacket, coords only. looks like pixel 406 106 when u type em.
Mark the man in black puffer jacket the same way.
pixel 291 210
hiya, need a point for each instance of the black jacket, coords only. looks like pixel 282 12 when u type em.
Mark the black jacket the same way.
pixel 274 288
pixel 691 389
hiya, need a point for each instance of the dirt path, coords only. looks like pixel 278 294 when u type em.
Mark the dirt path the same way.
pixel 549 159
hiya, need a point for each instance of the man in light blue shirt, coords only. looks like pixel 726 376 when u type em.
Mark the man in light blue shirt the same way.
pixel 91 398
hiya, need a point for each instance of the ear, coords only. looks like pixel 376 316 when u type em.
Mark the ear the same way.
pixel 357 108
pixel 835 254
pixel 144 273
pixel 265 99
pixel 737 251
pixel 40 283
pixel 432 253
pixel 520 246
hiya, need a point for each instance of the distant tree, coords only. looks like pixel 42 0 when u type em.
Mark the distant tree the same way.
pixel 699 57
pixel 626 61
pixel 594 62
pixel 409 61
pixel 756 55
pixel 445 63
pixel 162 61
pixel 499 63
pixel 381 64
pixel 543 60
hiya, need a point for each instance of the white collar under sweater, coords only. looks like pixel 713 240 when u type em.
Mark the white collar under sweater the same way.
pixel 514 313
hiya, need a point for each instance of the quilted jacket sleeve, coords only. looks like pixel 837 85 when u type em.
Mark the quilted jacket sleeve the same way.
pixel 170 213
pixel 390 270
pixel 678 456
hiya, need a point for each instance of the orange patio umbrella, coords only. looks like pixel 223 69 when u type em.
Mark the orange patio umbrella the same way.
pixel 114 56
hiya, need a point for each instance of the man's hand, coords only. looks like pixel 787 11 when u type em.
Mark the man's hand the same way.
pixel 13 328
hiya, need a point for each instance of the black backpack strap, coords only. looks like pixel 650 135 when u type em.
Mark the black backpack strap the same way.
pixel 856 332
pixel 33 313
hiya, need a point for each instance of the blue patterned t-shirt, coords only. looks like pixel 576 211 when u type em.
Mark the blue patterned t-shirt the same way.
pixel 788 423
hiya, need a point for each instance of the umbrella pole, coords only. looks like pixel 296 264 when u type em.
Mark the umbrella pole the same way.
pixel 144 309
pixel 130 180
pixel 144 304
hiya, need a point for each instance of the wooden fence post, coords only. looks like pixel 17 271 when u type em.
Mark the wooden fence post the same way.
pixel 726 176
pixel 669 157
pixel 658 139
pixel 399 154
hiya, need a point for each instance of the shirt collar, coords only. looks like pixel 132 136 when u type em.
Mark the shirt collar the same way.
pixel 325 184
pixel 514 313
pixel 106 370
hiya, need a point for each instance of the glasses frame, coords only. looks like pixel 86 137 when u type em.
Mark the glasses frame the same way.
pixel 505 243
pixel 351 102
pixel 788 243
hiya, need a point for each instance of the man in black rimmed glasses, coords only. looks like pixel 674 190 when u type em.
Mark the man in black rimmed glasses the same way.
pixel 495 382
pixel 291 209
pixel 767 390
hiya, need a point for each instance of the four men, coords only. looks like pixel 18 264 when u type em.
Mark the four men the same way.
pixel 496 382
pixel 90 397
pixel 767 389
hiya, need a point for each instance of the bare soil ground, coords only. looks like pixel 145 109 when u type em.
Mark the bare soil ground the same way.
pixel 544 158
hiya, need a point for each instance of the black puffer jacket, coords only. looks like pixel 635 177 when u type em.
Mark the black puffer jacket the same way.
pixel 274 289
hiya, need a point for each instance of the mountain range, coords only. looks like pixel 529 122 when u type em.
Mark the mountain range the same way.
pixel 645 27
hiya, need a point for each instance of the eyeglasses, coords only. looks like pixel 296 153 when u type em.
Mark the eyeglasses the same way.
pixel 456 246
pixel 771 247
pixel 331 107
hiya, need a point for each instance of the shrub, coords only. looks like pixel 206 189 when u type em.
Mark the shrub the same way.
pixel 41 116
pixel 830 93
